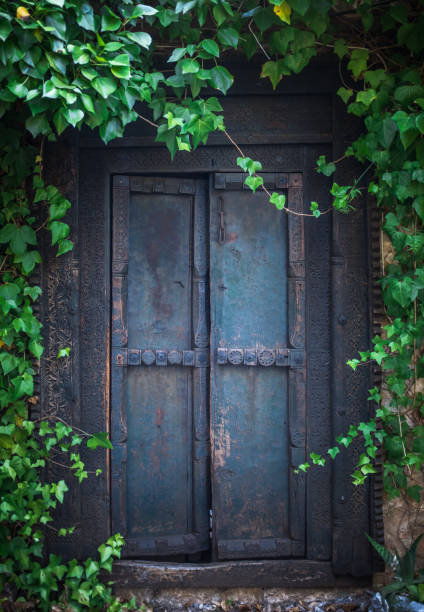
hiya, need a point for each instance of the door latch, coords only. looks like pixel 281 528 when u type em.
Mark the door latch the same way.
pixel 221 232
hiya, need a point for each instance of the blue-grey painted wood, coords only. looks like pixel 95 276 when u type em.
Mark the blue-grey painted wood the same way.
pixel 250 448
pixel 165 509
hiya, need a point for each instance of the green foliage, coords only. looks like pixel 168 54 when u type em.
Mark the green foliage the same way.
pixel 69 63
pixel 407 579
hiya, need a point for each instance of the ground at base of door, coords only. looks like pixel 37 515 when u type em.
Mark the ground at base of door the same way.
pixel 255 600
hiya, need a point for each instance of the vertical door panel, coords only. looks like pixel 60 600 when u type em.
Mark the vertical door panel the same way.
pixel 159 270
pixel 250 272
pixel 256 320
pixel 159 496
pixel 158 401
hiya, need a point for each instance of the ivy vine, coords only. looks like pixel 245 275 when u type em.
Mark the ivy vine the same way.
pixel 69 63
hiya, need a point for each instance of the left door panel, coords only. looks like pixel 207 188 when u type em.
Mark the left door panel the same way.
pixel 160 463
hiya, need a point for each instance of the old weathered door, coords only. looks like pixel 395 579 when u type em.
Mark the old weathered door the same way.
pixel 258 379
pixel 208 341
pixel 160 491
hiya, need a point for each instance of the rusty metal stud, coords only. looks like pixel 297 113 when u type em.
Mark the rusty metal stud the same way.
pixel 282 358
pixel 221 356
pixel 235 356
pixel 134 357
pixel 250 357
pixel 175 357
pixel 148 357
pixel 188 358
pixel 266 357
pixel 161 358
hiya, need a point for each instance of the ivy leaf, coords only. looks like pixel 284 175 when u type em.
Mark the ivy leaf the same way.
pixel 278 199
pixel 121 72
pixel 317 459
pixel 29 260
pixel 35 348
pixel 141 38
pixel 57 211
pixel 75 572
pixel 177 54
pixel 220 78
pixel 141 10
pixel 200 127
pixel 300 6
pixel 419 122
pixel 110 21
pixel 253 182
pixel 280 40
pixel 73 115
pixel 105 552
pixel 5 26
pixel 228 37
pixel 21 237
pixel 366 97
pixel 375 77
pixel 88 103
pixel 315 209
pixel 402 291
pixel 17 88
pixel 358 62
pixel 57 62
pixel 249 165
pixel 403 120
pixel 85 17
pixel 91 568
pixel 283 11
pixel 210 46
pixel 153 79
pixel 408 138
pixel 111 129
pixel 189 66
pixel 345 93
pixel 333 452
pixel 8 362
pixel 37 125
pixel 88 73
pixel 33 292
pixel 64 247
pixel 340 48
pixel 219 15
pixel 388 132
pixel 418 205
pixel 59 230
pixel 105 86
pixel 122 59
pixel 99 439
pixel 23 385
pixel 408 93
pixel 325 168
pixel 274 71
pixel 18 237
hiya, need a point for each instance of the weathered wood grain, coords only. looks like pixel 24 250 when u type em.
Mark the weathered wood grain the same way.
pixel 228 574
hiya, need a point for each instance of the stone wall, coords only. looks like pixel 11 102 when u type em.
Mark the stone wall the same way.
pixel 403 517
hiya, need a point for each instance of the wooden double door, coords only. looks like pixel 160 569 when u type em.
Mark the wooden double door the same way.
pixel 208 367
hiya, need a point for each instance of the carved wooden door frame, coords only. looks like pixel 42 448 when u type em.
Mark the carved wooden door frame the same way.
pixel 75 311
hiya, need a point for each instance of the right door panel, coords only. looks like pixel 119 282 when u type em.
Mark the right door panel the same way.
pixel 258 373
